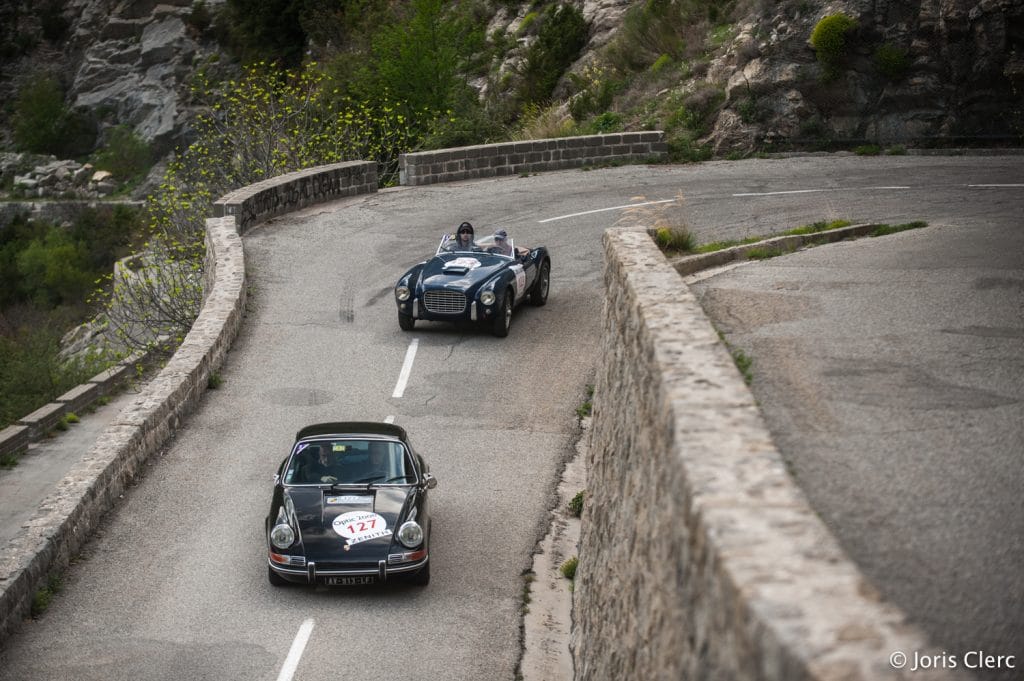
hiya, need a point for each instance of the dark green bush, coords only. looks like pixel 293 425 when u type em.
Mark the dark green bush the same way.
pixel 562 34
pixel 40 116
pixel 605 123
pixel 44 125
pixel 126 155
pixel 200 17
pixel 830 39
pixel 891 61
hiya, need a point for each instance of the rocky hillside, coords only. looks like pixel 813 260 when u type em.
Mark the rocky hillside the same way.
pixel 719 76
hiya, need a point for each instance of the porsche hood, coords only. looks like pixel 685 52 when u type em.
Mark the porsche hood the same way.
pixel 347 523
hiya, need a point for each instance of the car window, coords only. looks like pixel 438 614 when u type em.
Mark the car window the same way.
pixel 349 461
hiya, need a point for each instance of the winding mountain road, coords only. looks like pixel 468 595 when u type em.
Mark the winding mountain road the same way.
pixel 174 586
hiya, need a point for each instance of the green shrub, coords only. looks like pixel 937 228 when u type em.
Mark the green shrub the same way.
pixel 562 34
pixel 891 61
pixel 830 39
pixel 660 63
pixel 576 504
pixel 527 21
pixel 126 156
pixel 43 125
pixel 40 116
pixel 568 568
pixel 72 417
pixel 607 122
pixel 675 239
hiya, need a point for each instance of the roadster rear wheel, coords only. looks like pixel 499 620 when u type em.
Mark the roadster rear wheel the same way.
pixel 539 294
pixel 503 320
pixel 406 322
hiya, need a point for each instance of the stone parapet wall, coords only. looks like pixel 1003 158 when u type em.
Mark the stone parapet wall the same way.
pixel 66 518
pixel 294 191
pixel 699 556
pixel 531 156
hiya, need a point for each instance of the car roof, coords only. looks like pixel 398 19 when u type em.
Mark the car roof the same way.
pixel 349 428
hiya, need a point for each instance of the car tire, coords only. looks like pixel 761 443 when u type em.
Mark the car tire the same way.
pixel 274 578
pixel 421 578
pixel 539 294
pixel 503 320
pixel 406 322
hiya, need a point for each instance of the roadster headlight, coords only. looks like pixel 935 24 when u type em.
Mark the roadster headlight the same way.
pixel 487 297
pixel 402 293
pixel 410 534
pixel 282 536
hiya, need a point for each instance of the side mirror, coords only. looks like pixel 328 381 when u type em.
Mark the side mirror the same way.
pixel 429 481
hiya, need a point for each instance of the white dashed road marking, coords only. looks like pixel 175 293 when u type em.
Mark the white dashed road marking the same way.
pixel 602 210
pixel 814 191
pixel 403 377
pixel 291 663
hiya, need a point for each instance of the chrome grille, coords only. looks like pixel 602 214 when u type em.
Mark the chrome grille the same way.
pixel 445 301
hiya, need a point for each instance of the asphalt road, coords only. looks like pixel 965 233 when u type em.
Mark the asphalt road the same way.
pixel 174 586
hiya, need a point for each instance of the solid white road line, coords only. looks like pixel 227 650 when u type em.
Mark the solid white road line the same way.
pixel 602 210
pixel 995 185
pixel 403 377
pixel 291 663
pixel 814 191
pixel 389 419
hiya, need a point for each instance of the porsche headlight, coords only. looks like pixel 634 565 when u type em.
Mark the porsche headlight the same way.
pixel 487 297
pixel 282 536
pixel 402 293
pixel 410 534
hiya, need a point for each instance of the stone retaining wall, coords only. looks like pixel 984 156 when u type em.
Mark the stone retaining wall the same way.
pixel 66 518
pixel 699 556
pixel 531 156
pixel 294 191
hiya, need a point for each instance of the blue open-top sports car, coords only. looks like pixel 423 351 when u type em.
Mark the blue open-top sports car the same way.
pixel 482 281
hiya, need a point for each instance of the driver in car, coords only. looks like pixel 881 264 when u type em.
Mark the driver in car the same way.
pixel 325 468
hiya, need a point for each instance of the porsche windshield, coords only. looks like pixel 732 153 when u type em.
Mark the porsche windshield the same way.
pixel 345 461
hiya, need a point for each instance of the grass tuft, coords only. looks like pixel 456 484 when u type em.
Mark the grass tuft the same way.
pixel 576 504
pixel 883 230
pixel 568 568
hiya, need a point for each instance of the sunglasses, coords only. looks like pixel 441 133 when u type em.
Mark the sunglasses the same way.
pixel 465 231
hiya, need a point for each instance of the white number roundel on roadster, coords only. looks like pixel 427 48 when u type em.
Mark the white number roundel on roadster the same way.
pixel 359 526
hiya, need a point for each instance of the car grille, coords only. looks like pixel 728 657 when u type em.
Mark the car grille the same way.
pixel 445 301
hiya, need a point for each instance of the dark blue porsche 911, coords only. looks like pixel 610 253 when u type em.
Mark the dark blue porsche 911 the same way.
pixel 480 281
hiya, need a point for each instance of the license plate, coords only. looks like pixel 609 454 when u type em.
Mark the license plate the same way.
pixel 350 581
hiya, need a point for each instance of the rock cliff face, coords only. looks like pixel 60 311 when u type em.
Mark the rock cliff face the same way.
pixel 122 62
pixel 132 61
pixel 914 71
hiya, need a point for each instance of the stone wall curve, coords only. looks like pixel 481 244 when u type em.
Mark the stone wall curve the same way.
pixel 699 556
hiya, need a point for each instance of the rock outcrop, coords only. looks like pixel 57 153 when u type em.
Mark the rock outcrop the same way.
pixel 133 60
pixel 914 73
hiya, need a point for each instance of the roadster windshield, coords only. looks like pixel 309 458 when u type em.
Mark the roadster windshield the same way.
pixel 485 244
pixel 345 461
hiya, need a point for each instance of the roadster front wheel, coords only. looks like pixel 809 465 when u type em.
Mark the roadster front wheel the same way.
pixel 503 320
pixel 406 322
pixel 539 294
